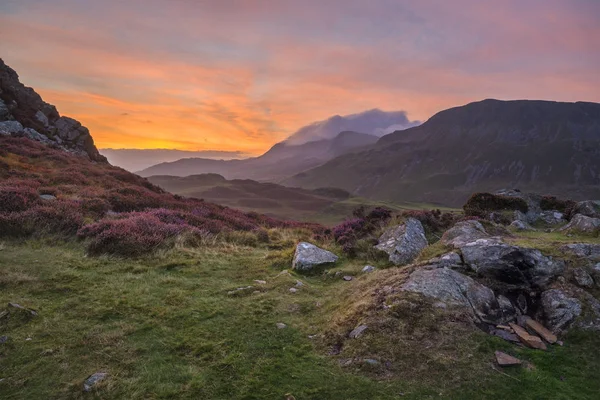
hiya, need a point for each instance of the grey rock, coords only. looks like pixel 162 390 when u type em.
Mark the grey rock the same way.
pixel 371 361
pixel 280 325
pixel 509 337
pixel 347 278
pixel 583 278
pixel 521 226
pixel 552 218
pixel 47 197
pixel 260 281
pixel 40 116
pixel 519 216
pixel 533 202
pixel 3 339
pixel 582 224
pixel 455 289
pixel 596 273
pixel 293 290
pixel 589 251
pixel 464 232
pixel 516 266
pixel 93 380
pixel 70 129
pixel 35 135
pixel 368 268
pixel 403 243
pixel 4 112
pixel 10 127
pixel 358 331
pixel 308 256
pixel 589 208
pixel 559 310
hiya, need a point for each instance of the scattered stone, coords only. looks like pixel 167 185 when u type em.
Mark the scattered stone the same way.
pixel 582 224
pixel 589 208
pixel 359 330
pixel 583 250
pixel 280 325
pixel 506 335
pixel 3 314
pixel 464 232
pixel 311 337
pixel 93 381
pixel 20 307
pixel 240 289
pixel 299 283
pixel 3 339
pixel 505 360
pixel 559 309
pixel 541 330
pixel 293 290
pixel 403 243
pixel 47 197
pixel 582 278
pixel 28 339
pixel 529 340
pixel 347 278
pixel 521 226
pixel 368 268
pixel 371 361
pixel 260 282
pixel 560 343
pixel 552 217
pixel 308 256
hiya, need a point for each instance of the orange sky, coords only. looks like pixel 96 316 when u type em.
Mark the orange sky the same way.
pixel 243 75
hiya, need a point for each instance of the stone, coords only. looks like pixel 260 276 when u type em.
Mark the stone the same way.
pixel 20 307
pixel 299 283
pixel 93 380
pixel 583 225
pixel 403 243
pixel 47 197
pixel 240 290
pixel 293 290
pixel 508 336
pixel 521 226
pixel 347 278
pixel 370 361
pixel 455 289
pixel 533 202
pixel 308 257
pixel 541 330
pixel 505 360
pixel 552 218
pixel 280 325
pixel 519 267
pixel 527 339
pixel 10 127
pixel 583 278
pixel 358 331
pixel 4 112
pixel 368 268
pixel 260 282
pixel 464 232
pixel 589 208
pixel 3 339
pixel 559 310
pixel 589 251
pixel 40 116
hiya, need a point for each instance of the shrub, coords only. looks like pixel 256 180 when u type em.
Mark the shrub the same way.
pixel 362 226
pixel 482 204
pixel 17 198
pixel 433 221
pixel 55 218
pixel 94 206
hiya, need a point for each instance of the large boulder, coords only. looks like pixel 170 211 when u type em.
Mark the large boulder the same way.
pixel 589 208
pixel 455 289
pixel 559 309
pixel 464 232
pixel 583 224
pixel 552 218
pixel 308 257
pixel 533 202
pixel 403 243
pixel 518 267
pixel 589 251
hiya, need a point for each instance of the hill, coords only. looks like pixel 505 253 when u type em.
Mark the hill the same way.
pixel 540 146
pixel 281 161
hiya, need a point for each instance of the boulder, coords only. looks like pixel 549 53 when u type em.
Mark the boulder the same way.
pixel 505 360
pixel 10 127
pixel 533 202
pixel 464 232
pixel 455 289
pixel 368 268
pixel 559 310
pixel 552 218
pixel 518 267
pixel 582 224
pixel 583 278
pixel 521 226
pixel 308 256
pixel 588 208
pixel 403 243
pixel 450 260
pixel 93 380
pixel 358 331
pixel 588 251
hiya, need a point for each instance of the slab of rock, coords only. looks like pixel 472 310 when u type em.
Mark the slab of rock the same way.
pixel 368 268
pixel 541 330
pixel 347 278
pixel 508 336
pixel 590 251
pixel 528 340
pixel 582 224
pixel 308 257
pixel 403 243
pixel 455 289
pixel 464 232
pixel 356 332
pixel 589 208
pixel 47 197
pixel 505 360
pixel 93 380
pixel 583 278
pixel 517 266
pixel 559 310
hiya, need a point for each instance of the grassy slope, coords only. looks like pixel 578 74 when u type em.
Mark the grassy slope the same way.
pixel 165 327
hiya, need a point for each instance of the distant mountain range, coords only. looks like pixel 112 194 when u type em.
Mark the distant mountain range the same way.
pixel 539 146
pixel 138 159
pixel 281 161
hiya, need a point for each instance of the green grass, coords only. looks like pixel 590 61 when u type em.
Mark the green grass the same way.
pixel 166 327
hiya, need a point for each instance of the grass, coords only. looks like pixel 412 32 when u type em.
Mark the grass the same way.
pixel 166 327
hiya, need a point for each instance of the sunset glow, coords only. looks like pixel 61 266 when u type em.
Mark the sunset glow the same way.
pixel 243 75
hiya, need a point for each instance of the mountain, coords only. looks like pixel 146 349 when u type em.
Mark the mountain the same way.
pixel 138 159
pixel 374 122
pixel 539 146
pixel 281 161
pixel 24 113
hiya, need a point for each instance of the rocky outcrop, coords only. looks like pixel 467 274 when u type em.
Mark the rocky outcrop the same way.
pixel 559 309
pixel 308 257
pixel 583 224
pixel 517 267
pixel 589 251
pixel 403 243
pixel 589 208
pixel 24 113
pixel 464 232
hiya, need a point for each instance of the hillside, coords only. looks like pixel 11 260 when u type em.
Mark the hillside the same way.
pixel 540 146
pixel 282 160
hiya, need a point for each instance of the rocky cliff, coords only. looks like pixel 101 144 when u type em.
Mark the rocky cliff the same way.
pixel 24 113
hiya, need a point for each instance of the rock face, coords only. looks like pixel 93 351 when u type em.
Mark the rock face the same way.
pixel 24 113
pixel 308 256
pixel 404 242
pixel 559 309
pixel 464 232
pixel 512 265
pixel 589 208
pixel 455 289
pixel 583 278
pixel 582 224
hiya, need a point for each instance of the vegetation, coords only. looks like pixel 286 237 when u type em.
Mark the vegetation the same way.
pixel 482 204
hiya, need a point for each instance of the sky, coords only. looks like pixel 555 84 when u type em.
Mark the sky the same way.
pixel 241 75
